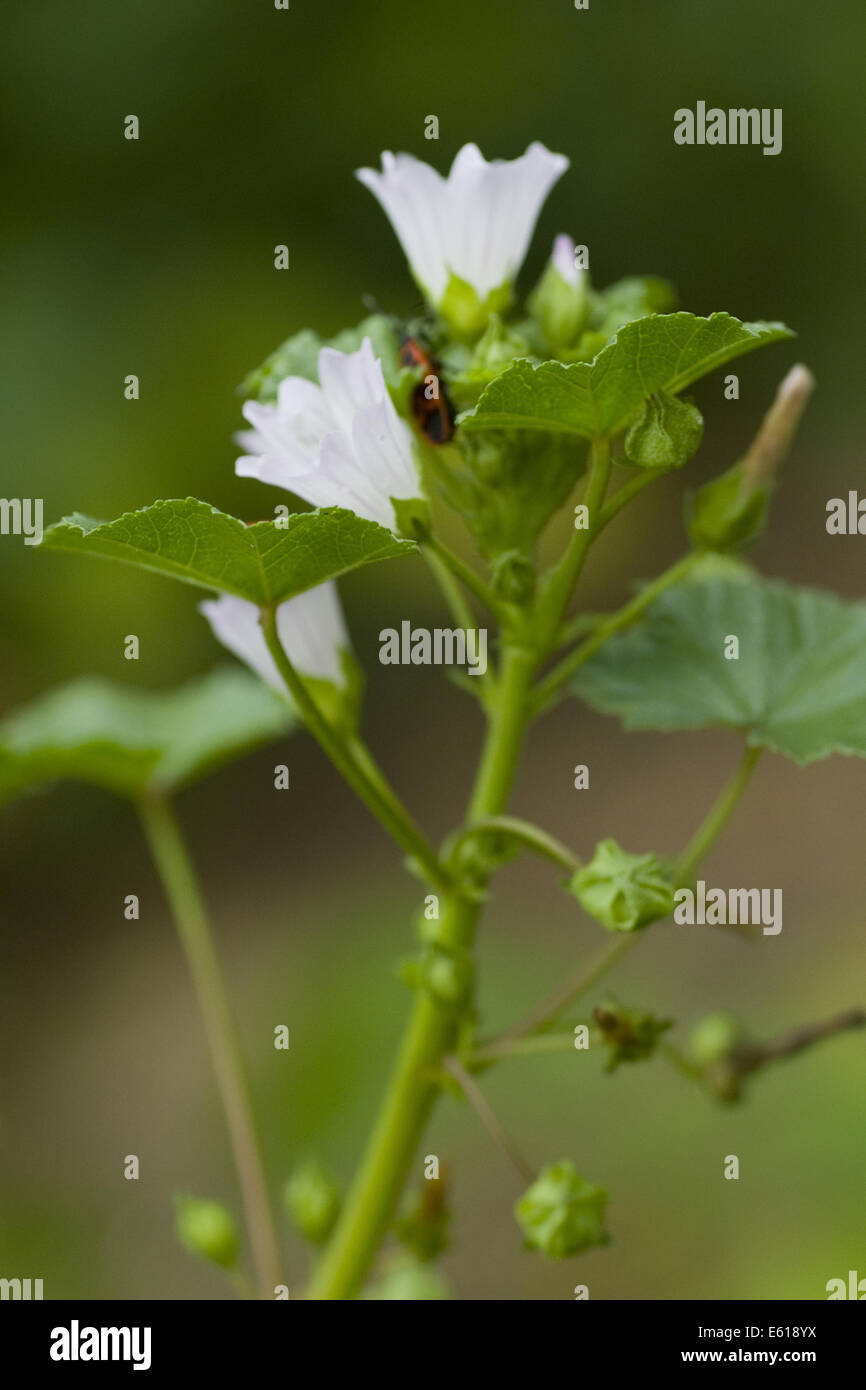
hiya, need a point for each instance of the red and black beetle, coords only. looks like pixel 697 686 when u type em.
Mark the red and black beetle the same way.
pixel 433 411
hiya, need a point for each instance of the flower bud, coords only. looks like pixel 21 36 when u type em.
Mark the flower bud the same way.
pixel 312 1201
pixel 721 515
pixel 561 1213
pixel 513 577
pixel 560 302
pixel 623 891
pixel 715 1046
pixel 207 1229
pixel 730 510
pixel 629 1036
pixel 666 434
pixel 409 1281
pixel 716 1036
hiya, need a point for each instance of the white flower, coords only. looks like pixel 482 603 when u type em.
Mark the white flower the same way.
pixel 475 225
pixel 310 627
pixel 339 443
pixel 562 260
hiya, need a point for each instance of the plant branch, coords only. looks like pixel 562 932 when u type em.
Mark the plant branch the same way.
pixel 468 577
pixel 716 819
pixel 559 584
pixel 451 590
pixel 749 1057
pixel 500 1137
pixel 546 1013
pixel 530 836
pixel 179 880
pixel 551 686
pixel 356 766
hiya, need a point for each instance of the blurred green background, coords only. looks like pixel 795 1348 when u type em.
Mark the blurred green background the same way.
pixel 156 258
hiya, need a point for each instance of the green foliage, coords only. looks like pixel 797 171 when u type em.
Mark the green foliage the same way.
pixel 623 891
pixel 130 741
pixel 207 1229
pixel 507 485
pixel 630 1035
pixel 265 562
pixel 299 356
pixel 630 299
pixel 798 686
pixel 663 352
pixel 724 514
pixel 312 1200
pixel 562 1214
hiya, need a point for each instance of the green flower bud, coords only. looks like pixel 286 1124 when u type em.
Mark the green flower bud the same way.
pixel 207 1229
pixel 714 1046
pixel 561 300
pixel 513 577
pixel 447 975
pixel 715 1037
pixel 561 1213
pixel 312 1200
pixel 409 1281
pixel 666 434
pixel 722 515
pixel 629 1036
pixel 623 891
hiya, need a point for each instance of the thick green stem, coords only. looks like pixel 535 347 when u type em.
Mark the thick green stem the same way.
pixel 179 880
pixel 433 1026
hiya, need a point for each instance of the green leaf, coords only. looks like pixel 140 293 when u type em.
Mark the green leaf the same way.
pixel 265 562
pixel 631 299
pixel 299 356
pixel 662 352
pixel 129 740
pixel 798 686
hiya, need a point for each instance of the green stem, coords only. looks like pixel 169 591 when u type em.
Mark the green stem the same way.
pixel 451 590
pixel 589 976
pixel 530 836
pixel 178 877
pixel 362 775
pixel 716 819
pixel 625 494
pixel 550 687
pixel 468 577
pixel 560 582
pixel 433 1026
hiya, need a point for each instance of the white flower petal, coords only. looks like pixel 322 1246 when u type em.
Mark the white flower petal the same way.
pixel 340 443
pixel 310 626
pixel 477 224
pixel 562 260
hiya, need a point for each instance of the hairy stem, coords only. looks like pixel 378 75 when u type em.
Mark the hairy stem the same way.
pixel 179 880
